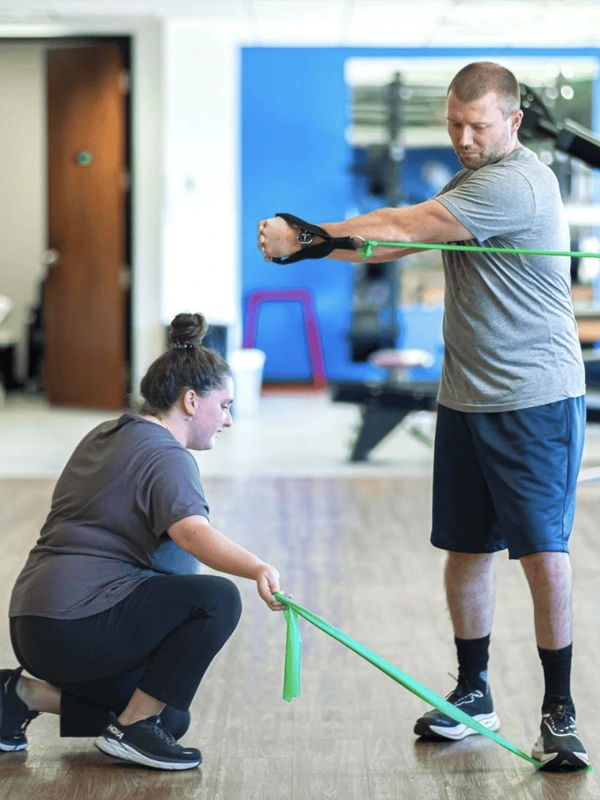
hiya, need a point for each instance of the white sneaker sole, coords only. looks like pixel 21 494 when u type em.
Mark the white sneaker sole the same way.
pixel 127 753
pixel 10 748
pixel 564 759
pixel 460 731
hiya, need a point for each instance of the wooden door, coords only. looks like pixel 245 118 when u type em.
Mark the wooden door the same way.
pixel 85 291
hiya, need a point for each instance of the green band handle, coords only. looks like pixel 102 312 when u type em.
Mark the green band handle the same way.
pixel 292 672
pixel 369 246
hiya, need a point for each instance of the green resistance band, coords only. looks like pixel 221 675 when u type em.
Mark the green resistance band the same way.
pixel 291 683
pixel 369 246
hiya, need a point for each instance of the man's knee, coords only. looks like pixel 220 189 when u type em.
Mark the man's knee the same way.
pixel 469 563
pixel 549 565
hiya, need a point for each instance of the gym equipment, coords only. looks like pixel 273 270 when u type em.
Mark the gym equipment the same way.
pixel 383 407
pixel 369 246
pixel 303 296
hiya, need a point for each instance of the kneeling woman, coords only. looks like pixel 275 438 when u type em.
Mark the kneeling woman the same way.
pixel 109 611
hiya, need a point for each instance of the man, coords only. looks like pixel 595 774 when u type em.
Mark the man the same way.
pixel 511 415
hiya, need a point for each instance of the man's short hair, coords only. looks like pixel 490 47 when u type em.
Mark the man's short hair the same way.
pixel 477 79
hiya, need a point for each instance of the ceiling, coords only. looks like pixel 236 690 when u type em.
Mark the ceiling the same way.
pixel 393 23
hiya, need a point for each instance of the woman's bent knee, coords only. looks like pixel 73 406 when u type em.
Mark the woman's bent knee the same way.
pixel 216 597
pixel 228 601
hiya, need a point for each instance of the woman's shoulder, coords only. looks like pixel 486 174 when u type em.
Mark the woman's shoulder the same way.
pixel 129 436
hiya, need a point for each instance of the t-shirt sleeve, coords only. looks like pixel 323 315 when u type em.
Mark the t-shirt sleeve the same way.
pixel 493 201
pixel 170 490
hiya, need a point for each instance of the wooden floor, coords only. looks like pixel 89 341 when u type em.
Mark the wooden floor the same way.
pixel 356 552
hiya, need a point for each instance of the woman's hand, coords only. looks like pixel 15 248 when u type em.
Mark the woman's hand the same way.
pixel 267 583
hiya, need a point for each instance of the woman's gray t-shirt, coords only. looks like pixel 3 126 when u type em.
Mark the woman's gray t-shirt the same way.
pixel 510 334
pixel 127 482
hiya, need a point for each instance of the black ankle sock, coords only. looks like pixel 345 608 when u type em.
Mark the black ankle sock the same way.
pixel 557 674
pixel 473 660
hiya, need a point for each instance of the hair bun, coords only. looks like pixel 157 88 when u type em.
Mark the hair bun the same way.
pixel 188 329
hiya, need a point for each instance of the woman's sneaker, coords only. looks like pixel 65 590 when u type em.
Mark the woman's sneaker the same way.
pixel 473 701
pixel 14 714
pixel 559 746
pixel 148 743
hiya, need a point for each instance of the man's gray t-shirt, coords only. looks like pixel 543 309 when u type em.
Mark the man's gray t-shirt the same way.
pixel 510 334
pixel 127 481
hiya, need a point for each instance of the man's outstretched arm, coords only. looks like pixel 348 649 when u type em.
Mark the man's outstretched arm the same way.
pixel 425 222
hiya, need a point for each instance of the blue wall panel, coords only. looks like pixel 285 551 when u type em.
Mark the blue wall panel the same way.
pixel 295 158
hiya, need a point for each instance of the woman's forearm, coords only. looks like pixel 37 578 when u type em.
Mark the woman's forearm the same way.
pixel 220 553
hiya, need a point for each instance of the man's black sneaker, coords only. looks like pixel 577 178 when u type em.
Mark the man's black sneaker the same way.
pixel 559 746
pixel 473 701
pixel 14 714
pixel 146 742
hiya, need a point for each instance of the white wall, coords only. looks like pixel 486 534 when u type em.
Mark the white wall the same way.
pixel 23 182
pixel 147 195
pixel 200 262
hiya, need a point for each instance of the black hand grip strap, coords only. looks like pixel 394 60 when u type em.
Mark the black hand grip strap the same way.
pixel 321 250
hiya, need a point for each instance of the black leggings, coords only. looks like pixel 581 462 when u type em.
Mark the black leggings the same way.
pixel 160 639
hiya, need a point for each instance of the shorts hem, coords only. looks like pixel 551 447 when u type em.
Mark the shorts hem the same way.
pixel 543 547
pixel 513 554
pixel 451 548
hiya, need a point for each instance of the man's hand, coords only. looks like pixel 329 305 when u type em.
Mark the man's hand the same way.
pixel 277 239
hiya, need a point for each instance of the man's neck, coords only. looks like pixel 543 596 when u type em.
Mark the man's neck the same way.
pixel 516 145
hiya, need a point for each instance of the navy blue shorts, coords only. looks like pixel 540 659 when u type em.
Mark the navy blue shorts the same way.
pixel 507 479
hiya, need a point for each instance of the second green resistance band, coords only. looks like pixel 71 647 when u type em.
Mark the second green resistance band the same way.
pixel 292 672
pixel 369 246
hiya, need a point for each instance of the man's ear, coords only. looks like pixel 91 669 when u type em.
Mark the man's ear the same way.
pixel 517 118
